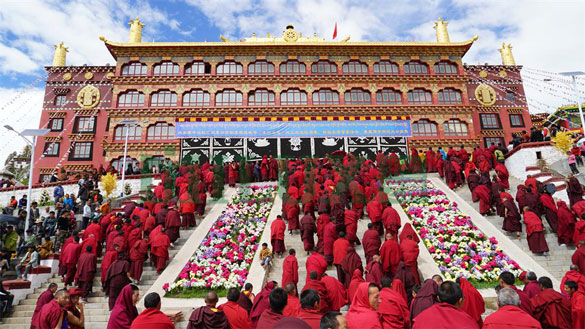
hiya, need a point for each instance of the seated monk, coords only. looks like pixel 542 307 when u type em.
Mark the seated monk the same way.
pixel 293 303
pixel 315 284
pixel 237 316
pixel 152 317
pixel 208 316
pixel 310 306
pixel 509 313
pixel 549 307
pixel 278 299
pixel 393 309
pixel 364 305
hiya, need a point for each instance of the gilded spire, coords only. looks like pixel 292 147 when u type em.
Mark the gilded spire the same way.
pixel 507 56
pixel 60 55
pixel 441 28
pixel 135 31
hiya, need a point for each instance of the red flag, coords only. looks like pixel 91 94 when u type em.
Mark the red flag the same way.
pixel 335 31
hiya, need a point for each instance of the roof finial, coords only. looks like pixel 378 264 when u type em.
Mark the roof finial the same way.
pixel 442 34
pixel 60 55
pixel 507 56
pixel 135 31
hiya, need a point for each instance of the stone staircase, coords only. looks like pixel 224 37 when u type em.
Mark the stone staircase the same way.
pixel 96 310
pixel 547 178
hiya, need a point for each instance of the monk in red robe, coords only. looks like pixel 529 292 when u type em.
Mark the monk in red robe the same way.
pixel 351 220
pixel 551 308
pixel 159 249
pixel 374 271
pixel 410 251
pixel 566 222
pixel 550 210
pixel 293 303
pixel 261 303
pixel 509 314
pixel 578 257
pixel 277 229
pixel 138 255
pixel 362 312
pixel 187 208
pixel 86 269
pixel 375 210
pixel 507 280
pixel 173 223
pixel 336 292
pixel 415 162
pixel 425 298
pixel 339 250
pixel 573 275
pixel 51 314
pixel 292 214
pixel 473 303
pixel 290 269
pixel 117 278
pixel 329 238
pixel 46 297
pixel 315 283
pixel 448 313
pixel 70 256
pixel 574 190
pixel 393 309
pixel 271 316
pixel 430 157
pixel 109 257
pixel 503 174
pixel 483 193
pixel 391 219
pixel 390 255
pixel 534 232
pixel 317 263
pixel 208 316
pixel 236 315
pixel 152 317
pixel 371 242
pixel 512 216
pixel 579 234
pixel 577 303
pixel 350 262
pixel 308 230
pixel 310 305
pixel 322 222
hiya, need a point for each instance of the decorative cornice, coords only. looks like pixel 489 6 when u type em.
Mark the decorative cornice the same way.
pixel 492 132
pixel 81 137
pixel 443 142
pixel 56 114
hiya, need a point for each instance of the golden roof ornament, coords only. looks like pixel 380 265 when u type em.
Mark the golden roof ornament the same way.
pixel 485 95
pixel 88 97
pixel 60 55
pixel 135 31
pixel 289 35
pixel 441 29
pixel 507 57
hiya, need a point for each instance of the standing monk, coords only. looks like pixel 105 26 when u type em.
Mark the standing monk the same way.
pixel 410 251
pixel 551 308
pixel 137 258
pixel 535 232
pixel 431 160
pixel 350 262
pixel 316 263
pixel 70 256
pixel 577 303
pixel 173 223
pixel 160 250
pixel 393 309
pixel 86 268
pixel 566 222
pixel 550 210
pixel 503 174
pixel 52 314
pixel 578 257
pixel 390 255
pixel 511 215
pixel 339 250
pixel 391 219
pixel 473 303
pixel 117 278
pixel 44 298
pixel 277 235
pixel 574 190
pixel 290 269
pixel 371 242
pixel 351 220
pixel 329 237
pixel 374 270
pixel 308 230
pixel 109 257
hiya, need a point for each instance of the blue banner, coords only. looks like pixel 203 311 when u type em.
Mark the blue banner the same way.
pixel 357 128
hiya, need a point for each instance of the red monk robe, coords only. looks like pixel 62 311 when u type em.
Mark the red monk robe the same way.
pixel 550 209
pixel 173 224
pixel 236 315
pixel 206 317
pixel 160 244
pixel 578 309
pixel 329 237
pixel 152 318
pixel 410 251
pixel 391 220
pixel 356 280
pixel 390 256
pixel 361 314
pixel 335 291
pixel 319 286
pixel 90 241
pixel 484 195
pixel 292 214
pixel 473 303
pixel 393 310
pixel 579 234
pixel 293 306
pixel 578 258
pixel 534 232
pixel 371 243
pixel 135 235
pixel 503 175
pixel 431 159
pixel 277 229
pixel 86 269
pixel 44 298
pixel 350 262
pixel 574 190
pixel 261 303
pixel 138 255
pixel 510 316
pixel 351 223
pixel 322 222
pixel 444 316
pixel 375 210
pixel 551 309
pixel 566 221
pixel 50 316
pixel 317 263
pixel 575 276
pixel 290 270
pixel 374 271
pixel 70 256
pixel 308 230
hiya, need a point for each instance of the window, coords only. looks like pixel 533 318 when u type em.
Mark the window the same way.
pixel 60 100
pixel 293 97
pixel 419 96
pixel 385 67
pixel 388 97
pixel 449 96
pixel 130 99
pixel 445 68
pixel 134 133
pixel 424 128
pixel 166 68
pixel 415 67
pixel 228 98
pixel 198 68
pixel 490 121
pixel 516 120
pixel 119 163
pixel 161 130
pixel 489 141
pixel 293 67
pixel 163 98
pixel 81 151
pixel 56 124
pixel 196 98
pixel 134 69
pixel 51 149
pixel 510 97
pixel 357 97
pixel 229 68
pixel 85 125
pixel 455 127
pixel 354 67
pixel 324 67
pixel 261 67
pixel 325 97
pixel 261 97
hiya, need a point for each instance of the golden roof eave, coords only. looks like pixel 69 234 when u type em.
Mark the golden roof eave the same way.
pixel 114 46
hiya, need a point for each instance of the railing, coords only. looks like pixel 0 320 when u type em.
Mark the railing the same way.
pixel 527 145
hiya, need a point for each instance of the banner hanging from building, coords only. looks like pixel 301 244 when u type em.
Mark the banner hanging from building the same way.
pixel 186 128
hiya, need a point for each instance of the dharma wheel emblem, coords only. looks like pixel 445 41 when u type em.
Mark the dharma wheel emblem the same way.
pixel 290 35
pixel 88 97
pixel 485 95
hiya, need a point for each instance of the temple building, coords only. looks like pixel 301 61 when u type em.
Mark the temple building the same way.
pixel 287 96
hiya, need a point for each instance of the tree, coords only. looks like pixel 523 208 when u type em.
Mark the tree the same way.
pixel 108 183
pixel 563 141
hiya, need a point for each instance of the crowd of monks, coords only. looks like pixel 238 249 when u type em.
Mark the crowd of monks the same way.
pixel 324 200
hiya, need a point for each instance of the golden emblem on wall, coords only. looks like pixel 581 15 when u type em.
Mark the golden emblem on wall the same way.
pixel 483 74
pixel 88 75
pixel 290 35
pixel 503 73
pixel 485 95
pixel 88 97
pixel 109 75
pixel 67 76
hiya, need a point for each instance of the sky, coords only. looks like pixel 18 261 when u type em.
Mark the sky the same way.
pixel 547 36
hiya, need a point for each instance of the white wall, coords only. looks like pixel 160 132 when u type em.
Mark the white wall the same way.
pixel 526 157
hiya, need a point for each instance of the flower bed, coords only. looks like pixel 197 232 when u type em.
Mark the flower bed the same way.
pixel 226 253
pixel 458 247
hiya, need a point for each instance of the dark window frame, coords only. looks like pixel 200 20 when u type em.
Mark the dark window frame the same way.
pixel 46 147
pixel 79 119
pixel 74 145
pixel 291 97
pixel 497 117
pixel 52 122
pixel 499 140
pixel 521 118
pixel 389 93
pixel 425 133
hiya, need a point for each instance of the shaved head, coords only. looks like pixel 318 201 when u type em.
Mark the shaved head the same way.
pixel 211 298
pixel 291 289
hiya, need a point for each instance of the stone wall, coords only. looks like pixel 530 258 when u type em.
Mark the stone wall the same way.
pixel 526 156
